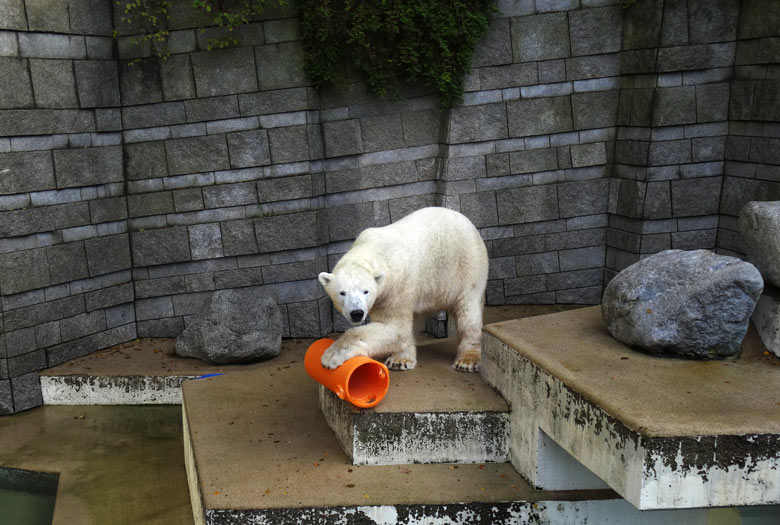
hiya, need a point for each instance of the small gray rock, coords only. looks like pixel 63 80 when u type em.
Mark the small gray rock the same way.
pixel 692 304
pixel 236 326
pixel 759 223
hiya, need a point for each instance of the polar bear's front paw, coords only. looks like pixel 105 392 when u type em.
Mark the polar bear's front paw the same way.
pixel 395 362
pixel 338 353
pixel 468 362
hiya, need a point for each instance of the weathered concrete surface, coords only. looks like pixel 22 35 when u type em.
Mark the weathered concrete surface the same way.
pixel 260 446
pixel 664 433
pixel 766 319
pixel 431 414
pixel 119 465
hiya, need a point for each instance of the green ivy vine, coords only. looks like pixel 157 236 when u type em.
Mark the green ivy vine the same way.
pixel 394 42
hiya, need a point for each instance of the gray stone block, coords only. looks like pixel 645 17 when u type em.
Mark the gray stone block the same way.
pixel 20 342
pixel 712 21
pixel 176 79
pixel 197 154
pixel 342 138
pixel 108 254
pixel 12 16
pixel 49 45
pixel 642 25
pixel 109 297
pixel 97 82
pixel 169 327
pixel 34 220
pixel 518 245
pixel 582 258
pixel 480 208
pixel 108 119
pixel 224 71
pixel 304 319
pixel 145 160
pixel 536 264
pixel 225 195
pixel 247 34
pixel 23 270
pixel 67 262
pixel 533 161
pixel 212 108
pixel 595 31
pixel 285 30
pixel 540 37
pixel 286 188
pixel 347 221
pixel 685 58
pixel 658 201
pixel 525 285
pixel 574 239
pixel 509 76
pixel 145 116
pixel 88 166
pixel 290 144
pixel 238 278
pixel 421 127
pixel 595 110
pixel 674 106
pixel 15 87
pixel 120 315
pixel 669 152
pixel 477 123
pixel 695 196
pixel 249 148
pixel 82 325
pixel 592 66
pixel 27 390
pixel 90 17
pixel 162 286
pixel 588 154
pixel 520 205
pixel 583 198
pixel 539 116
pixel 287 232
pixel 107 210
pixel 140 83
pixel 26 171
pixel 190 199
pixel 551 71
pixel 277 101
pixel 205 241
pixel 153 308
pixel 162 246
pixel 574 279
pixel 144 204
pixel 45 121
pixel 47 334
pixel 293 271
pixel 587 295
pixel 695 240
pixel 280 65
pixel 42 313
pixel 712 102
pixel 382 133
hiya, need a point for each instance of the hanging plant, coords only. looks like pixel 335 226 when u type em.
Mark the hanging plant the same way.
pixel 393 43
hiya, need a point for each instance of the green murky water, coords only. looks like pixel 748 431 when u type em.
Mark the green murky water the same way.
pixel 26 498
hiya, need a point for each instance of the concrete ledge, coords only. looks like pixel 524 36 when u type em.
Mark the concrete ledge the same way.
pixel 663 433
pixel 431 414
pixel 112 390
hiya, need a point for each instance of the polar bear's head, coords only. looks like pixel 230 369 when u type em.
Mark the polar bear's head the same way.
pixel 352 291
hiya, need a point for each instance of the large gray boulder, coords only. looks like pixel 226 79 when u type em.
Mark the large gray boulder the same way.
pixel 692 304
pixel 234 326
pixel 759 223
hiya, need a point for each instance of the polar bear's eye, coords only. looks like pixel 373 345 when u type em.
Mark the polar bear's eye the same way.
pixel 365 292
pixel 342 293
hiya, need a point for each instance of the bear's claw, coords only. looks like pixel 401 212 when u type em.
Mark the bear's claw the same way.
pixel 467 363
pixel 400 363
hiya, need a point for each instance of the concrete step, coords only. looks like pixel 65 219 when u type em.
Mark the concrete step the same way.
pixel 664 433
pixel 258 450
pixel 431 414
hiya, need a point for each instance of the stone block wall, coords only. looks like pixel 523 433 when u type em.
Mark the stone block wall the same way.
pixel 131 188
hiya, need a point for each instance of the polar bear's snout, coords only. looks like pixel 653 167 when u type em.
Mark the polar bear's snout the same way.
pixel 357 316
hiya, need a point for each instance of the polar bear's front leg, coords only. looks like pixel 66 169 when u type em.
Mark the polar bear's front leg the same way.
pixel 373 339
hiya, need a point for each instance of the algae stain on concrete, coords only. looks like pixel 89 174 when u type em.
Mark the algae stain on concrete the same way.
pixel 117 464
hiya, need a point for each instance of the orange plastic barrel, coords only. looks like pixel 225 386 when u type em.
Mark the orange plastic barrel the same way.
pixel 360 380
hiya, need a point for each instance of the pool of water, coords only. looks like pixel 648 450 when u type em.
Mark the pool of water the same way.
pixel 26 497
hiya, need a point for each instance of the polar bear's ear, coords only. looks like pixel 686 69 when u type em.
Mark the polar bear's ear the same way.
pixel 325 278
pixel 379 278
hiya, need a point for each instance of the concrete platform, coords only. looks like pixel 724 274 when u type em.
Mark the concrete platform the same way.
pixel 664 433
pixel 431 414
pixel 141 372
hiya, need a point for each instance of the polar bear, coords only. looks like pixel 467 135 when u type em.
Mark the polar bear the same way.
pixel 433 259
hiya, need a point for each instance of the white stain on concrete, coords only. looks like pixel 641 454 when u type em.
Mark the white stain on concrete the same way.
pixel 112 390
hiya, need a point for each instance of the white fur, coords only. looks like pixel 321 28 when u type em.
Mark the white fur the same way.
pixel 433 259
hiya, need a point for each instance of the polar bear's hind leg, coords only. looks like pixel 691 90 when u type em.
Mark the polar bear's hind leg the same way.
pixel 468 319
